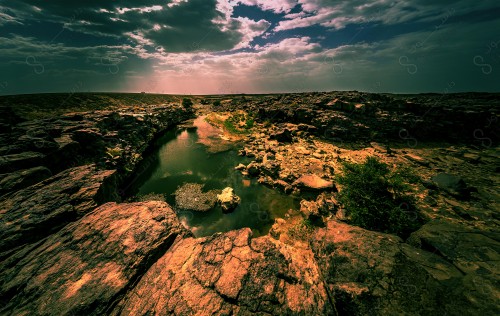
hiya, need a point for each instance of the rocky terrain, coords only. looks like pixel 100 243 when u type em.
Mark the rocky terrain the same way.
pixel 70 245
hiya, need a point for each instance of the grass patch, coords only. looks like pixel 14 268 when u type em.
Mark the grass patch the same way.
pixel 237 124
pixel 377 198
pixel 302 230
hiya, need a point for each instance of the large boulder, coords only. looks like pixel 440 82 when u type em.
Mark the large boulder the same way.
pixel 283 136
pixel 190 196
pixel 313 182
pixel 228 200
pixel 83 268
pixel 13 162
pixel 22 179
pixel 230 274
pixel 371 273
pixel 452 184
pixel 31 214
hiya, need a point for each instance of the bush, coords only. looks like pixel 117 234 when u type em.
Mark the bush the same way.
pixel 377 198
pixel 239 123
pixel 216 103
pixel 187 103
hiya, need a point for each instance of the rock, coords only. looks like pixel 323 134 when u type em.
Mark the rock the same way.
pixel 369 273
pixel 314 183
pixel 472 158
pixel 88 138
pixel 31 214
pixel 13 162
pixel 85 267
pixel 341 215
pixel 307 128
pixel 230 274
pixel 452 184
pixel 228 200
pixel 378 148
pixel 417 159
pixel 190 196
pixel 474 252
pixel 240 167
pixel 283 185
pixel 302 150
pixel 283 136
pixel 22 179
pixel 270 168
pixel 65 155
pixel 253 169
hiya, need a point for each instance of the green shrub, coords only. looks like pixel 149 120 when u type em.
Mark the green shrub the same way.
pixel 187 103
pixel 239 123
pixel 377 198
pixel 216 103
pixel 249 123
pixel 302 230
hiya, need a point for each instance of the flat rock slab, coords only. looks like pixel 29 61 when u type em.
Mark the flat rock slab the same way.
pixel 23 178
pixel 33 213
pixel 83 269
pixel 370 273
pixel 229 274
pixel 13 162
pixel 313 182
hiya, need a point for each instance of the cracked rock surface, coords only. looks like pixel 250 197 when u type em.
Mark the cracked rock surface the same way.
pixel 230 274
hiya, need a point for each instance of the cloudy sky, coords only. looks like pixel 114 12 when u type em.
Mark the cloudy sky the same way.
pixel 249 46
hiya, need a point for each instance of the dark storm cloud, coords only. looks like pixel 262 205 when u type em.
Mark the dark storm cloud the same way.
pixel 186 26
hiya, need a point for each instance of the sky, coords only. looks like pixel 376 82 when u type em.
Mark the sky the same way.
pixel 249 46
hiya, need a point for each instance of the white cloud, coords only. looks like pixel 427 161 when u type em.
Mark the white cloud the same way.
pixel 338 14
pixel 277 6
pixel 250 29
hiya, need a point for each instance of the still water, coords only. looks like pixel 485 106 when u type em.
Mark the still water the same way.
pixel 186 157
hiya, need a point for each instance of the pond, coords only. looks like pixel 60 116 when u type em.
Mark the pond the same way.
pixel 186 156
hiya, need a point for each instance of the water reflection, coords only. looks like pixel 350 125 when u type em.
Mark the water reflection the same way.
pixel 184 157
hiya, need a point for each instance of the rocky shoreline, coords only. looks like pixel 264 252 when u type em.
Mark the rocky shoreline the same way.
pixel 69 246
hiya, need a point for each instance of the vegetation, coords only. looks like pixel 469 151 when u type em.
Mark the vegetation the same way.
pixel 187 103
pixel 302 230
pixel 216 103
pixel 377 198
pixel 238 123
pixel 114 152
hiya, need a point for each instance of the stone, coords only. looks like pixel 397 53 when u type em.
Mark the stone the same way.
pixel 370 273
pixel 472 158
pixel 230 274
pixel 270 168
pixel 417 159
pixel 85 266
pixel 228 200
pixel 302 150
pixel 240 167
pixel 253 169
pixel 190 196
pixel 13 162
pixel 31 214
pixel 22 179
pixel 283 136
pixel 452 183
pixel 314 183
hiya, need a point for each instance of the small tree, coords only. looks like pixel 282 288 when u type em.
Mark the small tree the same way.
pixel 377 198
pixel 187 103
